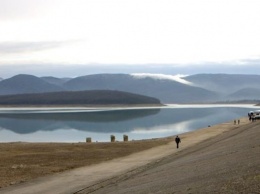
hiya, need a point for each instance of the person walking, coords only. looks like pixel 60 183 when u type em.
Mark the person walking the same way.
pixel 177 140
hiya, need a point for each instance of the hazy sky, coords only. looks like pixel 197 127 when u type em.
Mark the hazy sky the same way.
pixel 129 36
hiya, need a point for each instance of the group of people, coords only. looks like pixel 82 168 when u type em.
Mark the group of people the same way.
pixel 250 116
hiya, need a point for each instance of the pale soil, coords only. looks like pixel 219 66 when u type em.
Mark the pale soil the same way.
pixel 20 162
pixel 218 159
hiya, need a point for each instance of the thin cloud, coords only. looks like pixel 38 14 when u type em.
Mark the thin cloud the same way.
pixel 255 60
pixel 177 78
pixel 23 47
pixel 20 10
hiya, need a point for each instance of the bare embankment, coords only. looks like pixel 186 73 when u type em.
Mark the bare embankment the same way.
pixel 227 163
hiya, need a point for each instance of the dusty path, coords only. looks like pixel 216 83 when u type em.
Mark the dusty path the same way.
pixel 95 177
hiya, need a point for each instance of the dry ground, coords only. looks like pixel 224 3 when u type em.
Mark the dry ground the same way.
pixel 227 163
pixel 21 162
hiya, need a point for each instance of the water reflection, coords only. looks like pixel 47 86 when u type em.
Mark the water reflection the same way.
pixel 137 123
pixel 102 121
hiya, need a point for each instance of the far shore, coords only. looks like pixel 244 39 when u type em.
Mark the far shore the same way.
pixel 82 106
pixel 87 106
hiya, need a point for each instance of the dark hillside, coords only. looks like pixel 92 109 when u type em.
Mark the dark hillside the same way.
pixel 22 83
pixel 94 97
pixel 100 82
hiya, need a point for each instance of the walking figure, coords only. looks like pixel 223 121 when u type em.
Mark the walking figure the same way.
pixel 177 140
pixel 238 121
pixel 235 122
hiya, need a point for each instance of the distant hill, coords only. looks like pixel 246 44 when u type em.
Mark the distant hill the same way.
pixel 246 93
pixel 22 83
pixel 225 83
pixel 94 97
pixel 168 91
pixel 1 79
pixel 199 88
pixel 55 81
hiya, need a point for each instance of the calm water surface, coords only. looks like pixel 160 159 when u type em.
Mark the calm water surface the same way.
pixel 76 124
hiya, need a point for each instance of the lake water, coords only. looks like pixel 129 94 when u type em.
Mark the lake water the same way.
pixel 76 124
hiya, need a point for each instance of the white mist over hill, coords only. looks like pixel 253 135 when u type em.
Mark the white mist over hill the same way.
pixel 177 77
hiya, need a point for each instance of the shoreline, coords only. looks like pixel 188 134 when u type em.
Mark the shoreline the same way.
pixel 41 166
pixel 71 106
pixel 83 106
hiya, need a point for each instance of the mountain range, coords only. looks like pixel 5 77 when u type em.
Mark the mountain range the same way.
pixel 199 88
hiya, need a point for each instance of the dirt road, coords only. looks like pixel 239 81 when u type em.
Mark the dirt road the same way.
pixel 224 158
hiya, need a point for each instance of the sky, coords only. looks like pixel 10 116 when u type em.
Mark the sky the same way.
pixel 79 37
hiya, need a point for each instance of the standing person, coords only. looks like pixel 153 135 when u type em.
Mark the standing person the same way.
pixel 177 140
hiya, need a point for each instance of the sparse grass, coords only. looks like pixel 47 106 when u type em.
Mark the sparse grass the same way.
pixel 20 162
